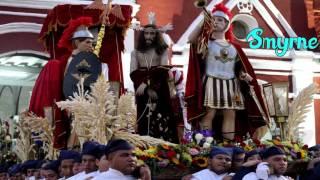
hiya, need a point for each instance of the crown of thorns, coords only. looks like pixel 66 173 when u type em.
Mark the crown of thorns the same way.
pixel 152 21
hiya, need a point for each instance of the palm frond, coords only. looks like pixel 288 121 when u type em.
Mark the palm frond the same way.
pixel 298 112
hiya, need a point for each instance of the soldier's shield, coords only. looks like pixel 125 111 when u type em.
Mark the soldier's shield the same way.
pixel 84 65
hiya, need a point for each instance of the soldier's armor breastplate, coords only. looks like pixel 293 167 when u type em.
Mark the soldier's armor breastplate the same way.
pixel 221 60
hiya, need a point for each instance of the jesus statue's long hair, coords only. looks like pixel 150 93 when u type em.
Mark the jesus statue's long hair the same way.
pixel 158 43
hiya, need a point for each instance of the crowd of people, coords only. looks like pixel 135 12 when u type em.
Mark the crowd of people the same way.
pixel 96 161
pixel 117 161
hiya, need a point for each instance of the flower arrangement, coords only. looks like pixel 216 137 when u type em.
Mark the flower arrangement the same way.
pixel 193 153
pixel 294 150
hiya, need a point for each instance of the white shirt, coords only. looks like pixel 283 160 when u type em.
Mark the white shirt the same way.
pixel 253 176
pixel 113 174
pixel 83 176
pixel 207 174
pixel 30 178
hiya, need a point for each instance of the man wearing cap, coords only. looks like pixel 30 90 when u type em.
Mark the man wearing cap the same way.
pixel 315 151
pixel 219 76
pixel 219 165
pixel 238 156
pixel 251 160
pixel 3 172
pixel 15 172
pixel 51 170
pixel 77 166
pixel 122 162
pixel 150 73
pixel 29 167
pixel 273 167
pixel 90 154
pixel 67 159
pixel 103 163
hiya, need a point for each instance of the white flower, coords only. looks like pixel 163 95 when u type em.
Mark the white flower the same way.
pixel 206 145
pixel 178 156
pixel 198 137
pixel 209 140
pixel 159 115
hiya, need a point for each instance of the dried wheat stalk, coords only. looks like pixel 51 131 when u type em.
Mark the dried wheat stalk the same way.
pixel 42 127
pixel 24 146
pixel 140 141
pixel 93 113
pixel 127 112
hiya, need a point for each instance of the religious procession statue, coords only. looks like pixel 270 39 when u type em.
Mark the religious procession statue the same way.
pixel 222 80
pixel 151 73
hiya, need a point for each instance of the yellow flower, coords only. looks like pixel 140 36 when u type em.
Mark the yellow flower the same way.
pixel 138 152
pixel 165 146
pixel 287 143
pixel 303 154
pixel 201 161
pixel 248 148
pixel 296 148
pixel 175 161
pixel 276 142
pixel 151 150
pixel 140 162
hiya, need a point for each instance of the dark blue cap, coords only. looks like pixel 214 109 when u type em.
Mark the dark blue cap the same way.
pixel 316 170
pixel 237 150
pixel 29 164
pixel 102 149
pixel 91 148
pixel 67 154
pixel 3 168
pixel 53 165
pixel 116 145
pixel 40 163
pixel 251 153
pixel 315 148
pixel 272 151
pixel 15 169
pixel 220 150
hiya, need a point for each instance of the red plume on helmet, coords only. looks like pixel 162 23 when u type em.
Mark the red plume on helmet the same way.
pixel 65 40
pixel 223 9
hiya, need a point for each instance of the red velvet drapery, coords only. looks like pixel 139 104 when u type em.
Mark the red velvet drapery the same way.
pixel 112 45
